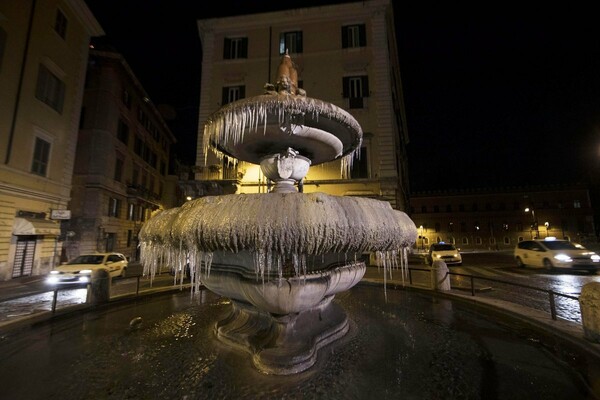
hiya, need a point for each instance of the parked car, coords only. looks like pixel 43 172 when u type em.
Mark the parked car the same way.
pixel 445 252
pixel 551 253
pixel 79 270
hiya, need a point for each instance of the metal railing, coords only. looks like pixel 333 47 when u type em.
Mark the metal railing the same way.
pixel 549 293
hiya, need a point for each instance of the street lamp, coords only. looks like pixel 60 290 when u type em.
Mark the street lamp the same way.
pixel 534 225
pixel 547 224
pixel 421 237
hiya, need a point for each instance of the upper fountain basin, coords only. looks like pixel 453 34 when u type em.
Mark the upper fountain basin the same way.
pixel 255 127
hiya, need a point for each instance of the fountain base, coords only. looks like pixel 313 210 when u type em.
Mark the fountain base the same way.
pixel 282 344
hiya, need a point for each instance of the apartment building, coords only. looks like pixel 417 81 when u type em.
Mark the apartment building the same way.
pixel 122 159
pixel 43 57
pixel 346 55
pixel 499 218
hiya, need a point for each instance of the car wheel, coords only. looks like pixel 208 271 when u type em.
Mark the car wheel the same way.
pixel 520 263
pixel 123 273
pixel 548 265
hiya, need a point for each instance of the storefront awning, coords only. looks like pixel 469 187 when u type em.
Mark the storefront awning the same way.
pixel 30 226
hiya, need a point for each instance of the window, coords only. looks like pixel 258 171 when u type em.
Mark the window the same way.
pixel 478 240
pixel 50 89
pixel 506 240
pixel 437 228
pixel 233 93
pixel 41 154
pixel 465 240
pixel 448 208
pixel 290 42
pixel 355 89
pixel 354 36
pixel 360 165
pixel 129 236
pixel 423 209
pixel 576 204
pixel 118 169
pixel 113 207
pixel 235 48
pixel 123 132
pixel 60 24
pixel 463 226
pixel 461 207
pixel 138 145
pixel 130 211
pixel 126 98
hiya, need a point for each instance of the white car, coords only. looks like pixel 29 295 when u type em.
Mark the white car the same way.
pixel 551 253
pixel 445 252
pixel 79 270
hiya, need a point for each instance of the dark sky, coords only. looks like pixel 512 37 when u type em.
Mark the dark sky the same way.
pixel 501 98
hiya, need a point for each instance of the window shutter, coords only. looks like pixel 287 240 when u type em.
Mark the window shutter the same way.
pixel 362 35
pixel 344 37
pixel 242 92
pixel 365 86
pixel 226 49
pixel 346 87
pixel 244 49
pixel 299 42
pixel 225 96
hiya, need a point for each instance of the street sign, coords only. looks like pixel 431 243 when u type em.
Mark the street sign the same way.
pixel 60 214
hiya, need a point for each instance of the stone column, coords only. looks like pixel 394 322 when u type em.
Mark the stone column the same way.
pixel 439 279
pixel 589 303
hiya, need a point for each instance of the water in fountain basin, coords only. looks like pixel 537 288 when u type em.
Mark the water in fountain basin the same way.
pixel 412 346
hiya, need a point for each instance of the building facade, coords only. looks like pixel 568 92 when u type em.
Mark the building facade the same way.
pixel 121 164
pixel 497 219
pixel 346 55
pixel 43 57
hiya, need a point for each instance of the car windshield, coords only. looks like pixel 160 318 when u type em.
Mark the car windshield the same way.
pixel 562 245
pixel 87 259
pixel 443 247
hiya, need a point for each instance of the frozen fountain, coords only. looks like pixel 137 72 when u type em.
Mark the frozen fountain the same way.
pixel 282 256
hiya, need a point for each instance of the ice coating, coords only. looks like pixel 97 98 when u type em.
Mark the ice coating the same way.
pixel 321 131
pixel 280 225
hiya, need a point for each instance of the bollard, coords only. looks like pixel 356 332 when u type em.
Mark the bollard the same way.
pixel 589 304
pixel 100 287
pixel 439 278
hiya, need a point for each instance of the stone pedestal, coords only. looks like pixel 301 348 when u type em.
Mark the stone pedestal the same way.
pixel 589 303
pixel 439 278
pixel 100 286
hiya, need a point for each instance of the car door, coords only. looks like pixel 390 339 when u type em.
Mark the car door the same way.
pixel 114 265
pixel 537 254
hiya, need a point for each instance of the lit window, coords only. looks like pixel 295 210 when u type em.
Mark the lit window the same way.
pixel 113 207
pixel 290 42
pixel 41 154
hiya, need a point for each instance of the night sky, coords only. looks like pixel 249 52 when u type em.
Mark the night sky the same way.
pixel 501 98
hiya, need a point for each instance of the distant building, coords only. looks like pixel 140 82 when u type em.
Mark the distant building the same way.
pixel 43 58
pixel 497 219
pixel 122 159
pixel 346 55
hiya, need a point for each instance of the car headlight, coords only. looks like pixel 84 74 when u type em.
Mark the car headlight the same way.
pixel 86 271
pixel 84 279
pixel 595 258
pixel 53 272
pixel 438 256
pixel 563 258
pixel 52 279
